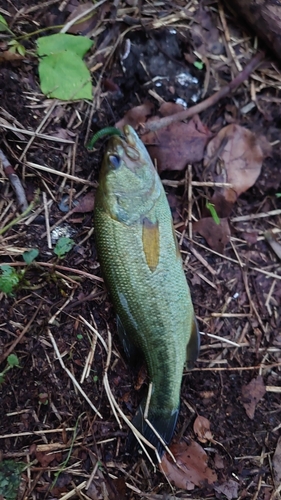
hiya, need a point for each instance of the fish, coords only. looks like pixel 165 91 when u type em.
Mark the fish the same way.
pixel 142 268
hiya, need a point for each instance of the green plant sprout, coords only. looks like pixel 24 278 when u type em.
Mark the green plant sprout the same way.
pixel 14 45
pixel 199 65
pixel 10 278
pixel 65 462
pixel 21 216
pixel 212 209
pixel 63 246
pixel 10 475
pixel 12 361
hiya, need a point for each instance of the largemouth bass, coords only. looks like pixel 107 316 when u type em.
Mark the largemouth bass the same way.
pixel 142 267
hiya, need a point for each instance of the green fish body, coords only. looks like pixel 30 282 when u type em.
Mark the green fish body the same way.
pixel 142 268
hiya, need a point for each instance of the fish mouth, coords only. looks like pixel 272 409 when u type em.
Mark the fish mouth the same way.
pixel 124 144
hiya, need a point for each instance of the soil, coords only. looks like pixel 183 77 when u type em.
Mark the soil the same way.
pixel 45 421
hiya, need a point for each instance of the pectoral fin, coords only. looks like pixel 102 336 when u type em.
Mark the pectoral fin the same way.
pixel 151 243
pixel 133 354
pixel 193 346
pixel 176 241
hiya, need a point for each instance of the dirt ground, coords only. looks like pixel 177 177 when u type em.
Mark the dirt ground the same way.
pixel 59 411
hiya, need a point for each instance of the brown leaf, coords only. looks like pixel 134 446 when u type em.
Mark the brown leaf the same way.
pixel 174 146
pixel 85 203
pixel 252 394
pixel 178 144
pixel 45 458
pixel 84 25
pixel 202 429
pixel 219 461
pixel 216 235
pixel 136 115
pixel 205 34
pixel 191 468
pixel 9 55
pixel 229 489
pixel 238 155
pixel 276 462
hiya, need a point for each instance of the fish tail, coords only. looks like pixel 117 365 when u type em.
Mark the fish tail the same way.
pixel 163 423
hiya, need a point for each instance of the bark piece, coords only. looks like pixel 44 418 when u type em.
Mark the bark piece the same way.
pixel 264 16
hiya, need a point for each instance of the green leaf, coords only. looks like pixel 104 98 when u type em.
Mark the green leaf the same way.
pixel 213 211
pixel 48 45
pixel 199 65
pixel 9 279
pixel 63 246
pixel 30 255
pixel 278 195
pixel 13 360
pixel 10 473
pixel 65 76
pixel 21 49
pixel 3 24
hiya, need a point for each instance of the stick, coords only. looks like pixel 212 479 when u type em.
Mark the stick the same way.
pixel 15 182
pixel 210 101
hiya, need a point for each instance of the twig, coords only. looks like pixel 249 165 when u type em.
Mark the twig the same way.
pixel 49 241
pixel 75 383
pixel 54 267
pixel 210 101
pixel 61 174
pixel 21 335
pixel 15 182
pixel 20 217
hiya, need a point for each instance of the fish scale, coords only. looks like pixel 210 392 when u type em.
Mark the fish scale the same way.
pixel 143 272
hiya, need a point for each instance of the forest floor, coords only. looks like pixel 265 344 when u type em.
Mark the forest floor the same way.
pixel 65 392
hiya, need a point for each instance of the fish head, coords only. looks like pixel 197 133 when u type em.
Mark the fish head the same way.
pixel 129 183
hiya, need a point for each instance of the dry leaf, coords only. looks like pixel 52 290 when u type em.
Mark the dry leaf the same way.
pixel 136 115
pixel 85 203
pixel 86 24
pixel 191 468
pixel 45 458
pixel 8 55
pixel 252 394
pixel 175 146
pixel 276 462
pixel 202 429
pixel 229 489
pixel 216 235
pixel 219 461
pixel 205 34
pixel 238 155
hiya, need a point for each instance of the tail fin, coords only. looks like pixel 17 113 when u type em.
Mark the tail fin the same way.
pixel 164 425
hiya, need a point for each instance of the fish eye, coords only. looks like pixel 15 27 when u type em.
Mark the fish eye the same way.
pixel 115 161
